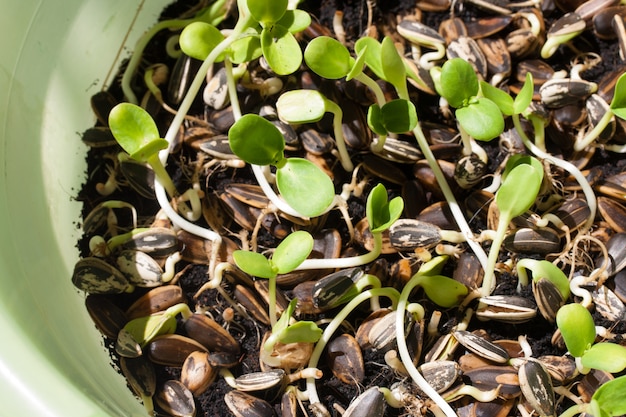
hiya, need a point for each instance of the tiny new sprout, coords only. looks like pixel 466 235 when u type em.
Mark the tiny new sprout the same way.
pixel 288 255
pixel 477 115
pixel 328 58
pixel 522 180
pixel 283 332
pixel 396 116
pixel 304 186
pixel 137 133
pixel 579 334
pixel 143 329
pixel 550 285
pixel 443 291
pixel 617 108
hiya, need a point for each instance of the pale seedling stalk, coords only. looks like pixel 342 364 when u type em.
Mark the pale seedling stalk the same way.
pixel 457 213
pixel 349 262
pixel 215 283
pixel 160 188
pixel 332 327
pixel 455 209
pixel 172 24
pixel 567 166
pixel 404 351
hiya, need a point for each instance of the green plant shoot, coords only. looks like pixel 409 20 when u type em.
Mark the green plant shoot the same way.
pixel 382 213
pixel 288 255
pixel 137 133
pixel 617 108
pixel 305 187
pixel 145 329
pixel 479 116
pixel 579 333
pixel 309 106
pixel 521 183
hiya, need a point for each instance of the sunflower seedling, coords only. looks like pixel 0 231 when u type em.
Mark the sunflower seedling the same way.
pixel 304 186
pixel 579 334
pixel 288 255
pixel 137 133
pixel 617 108
pixel 521 182
pixel 549 284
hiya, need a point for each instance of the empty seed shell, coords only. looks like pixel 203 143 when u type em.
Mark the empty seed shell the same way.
pixel 95 276
pixel 469 171
pixel 345 359
pixel 140 375
pixel 197 373
pixel 508 309
pixel 536 387
pixel 330 291
pixel 371 403
pixel 242 404
pixel 176 400
pixel 603 21
pixel 597 107
pixel 411 234
pixel 106 315
pixel 98 137
pixel 441 374
pixel 216 146
pixel 399 151
pixel 562 369
pixel 616 248
pixel 250 301
pixel 481 346
pixel 155 300
pixel 613 213
pixel 139 176
pixel 560 92
pixel 172 349
pixel 530 240
pixel 126 346
pixel 491 377
pixel 419 33
pixel 261 381
pixel 140 268
pixel 608 304
pixel 157 242
pixel 210 334
pixel 549 298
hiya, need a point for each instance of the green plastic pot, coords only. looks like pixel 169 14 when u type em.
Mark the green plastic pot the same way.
pixel 54 56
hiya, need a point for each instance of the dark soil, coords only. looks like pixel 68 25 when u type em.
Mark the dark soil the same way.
pixel 333 392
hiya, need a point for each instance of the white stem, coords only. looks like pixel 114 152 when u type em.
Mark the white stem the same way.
pixel 406 357
pixel 184 224
pixel 590 196
pixel 345 262
pixel 457 213
pixel 389 292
